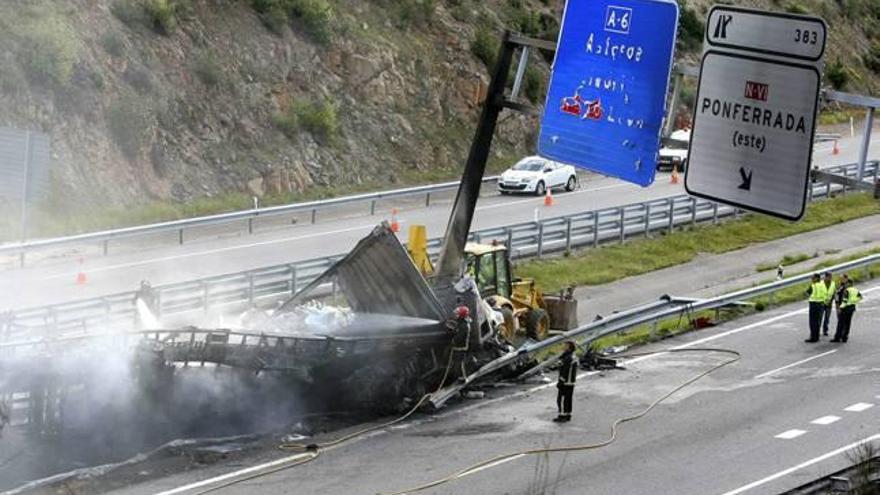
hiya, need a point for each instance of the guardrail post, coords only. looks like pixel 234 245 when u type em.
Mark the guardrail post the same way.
pixel 568 234
pixel 595 229
pixel 828 189
pixel 671 213
pixel 714 213
pixel 735 212
pixel 693 211
pixel 509 240
pixel 427 200
pixel 540 239
pixel 622 222
pixel 251 225
pixel 180 236
pixel 314 214
pixel 810 190
pixel 106 247
pixel 292 279
pixel 372 207
pixel 251 288
pixel 647 219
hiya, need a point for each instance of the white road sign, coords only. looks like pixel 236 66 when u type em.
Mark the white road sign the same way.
pixel 755 113
pixel 767 33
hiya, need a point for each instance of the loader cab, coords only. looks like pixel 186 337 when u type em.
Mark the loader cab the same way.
pixel 490 268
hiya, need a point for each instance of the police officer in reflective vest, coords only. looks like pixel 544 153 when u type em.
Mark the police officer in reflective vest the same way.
pixel 847 299
pixel 831 287
pixel 568 366
pixel 818 293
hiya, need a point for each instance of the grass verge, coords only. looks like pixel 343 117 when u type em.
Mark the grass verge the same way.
pixel 610 263
pixel 685 322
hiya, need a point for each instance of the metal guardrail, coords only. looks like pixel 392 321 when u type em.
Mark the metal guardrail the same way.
pixel 103 238
pixel 645 315
pixel 181 303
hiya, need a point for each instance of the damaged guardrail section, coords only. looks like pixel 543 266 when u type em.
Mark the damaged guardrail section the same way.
pixel 648 314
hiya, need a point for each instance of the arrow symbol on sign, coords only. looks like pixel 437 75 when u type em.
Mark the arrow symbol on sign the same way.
pixel 746 179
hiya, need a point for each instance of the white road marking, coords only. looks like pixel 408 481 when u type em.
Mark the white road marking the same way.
pixel 788 435
pixel 281 240
pixel 859 407
pixel 825 420
pixel 209 251
pixel 802 465
pixel 792 365
pixel 539 199
pixel 235 474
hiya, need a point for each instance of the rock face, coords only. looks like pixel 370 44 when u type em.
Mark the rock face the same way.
pixel 220 103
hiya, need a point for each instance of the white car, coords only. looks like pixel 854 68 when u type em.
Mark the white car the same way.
pixel 674 152
pixel 535 175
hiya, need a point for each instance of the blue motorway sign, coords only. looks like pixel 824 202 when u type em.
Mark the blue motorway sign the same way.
pixel 607 96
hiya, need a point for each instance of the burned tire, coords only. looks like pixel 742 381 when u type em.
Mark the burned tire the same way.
pixel 537 324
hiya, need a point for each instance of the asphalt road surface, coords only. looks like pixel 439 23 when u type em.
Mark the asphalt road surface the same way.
pixel 53 281
pixel 788 412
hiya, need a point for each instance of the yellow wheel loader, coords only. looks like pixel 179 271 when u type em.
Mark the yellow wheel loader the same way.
pixel 528 314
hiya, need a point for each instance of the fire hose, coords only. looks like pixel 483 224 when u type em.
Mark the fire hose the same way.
pixel 315 449
pixel 584 447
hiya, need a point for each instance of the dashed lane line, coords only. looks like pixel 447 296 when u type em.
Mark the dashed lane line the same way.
pixel 790 434
pixel 859 407
pixel 825 420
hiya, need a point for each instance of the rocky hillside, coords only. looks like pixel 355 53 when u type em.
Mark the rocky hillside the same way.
pixel 179 100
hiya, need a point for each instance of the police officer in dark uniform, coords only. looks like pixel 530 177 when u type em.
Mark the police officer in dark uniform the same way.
pixel 847 299
pixel 565 386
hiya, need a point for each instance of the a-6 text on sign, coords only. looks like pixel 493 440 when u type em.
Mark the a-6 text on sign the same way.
pixel 755 112
pixel 607 95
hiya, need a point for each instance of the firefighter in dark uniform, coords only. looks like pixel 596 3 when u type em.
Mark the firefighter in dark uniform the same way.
pixel 565 386
pixel 847 299
pixel 818 293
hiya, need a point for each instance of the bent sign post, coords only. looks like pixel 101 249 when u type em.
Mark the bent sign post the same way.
pixel 755 114
pixel 607 95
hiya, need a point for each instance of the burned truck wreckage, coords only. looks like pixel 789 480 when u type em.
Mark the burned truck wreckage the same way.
pixel 370 333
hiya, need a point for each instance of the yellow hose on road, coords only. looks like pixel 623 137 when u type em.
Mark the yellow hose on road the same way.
pixel 576 448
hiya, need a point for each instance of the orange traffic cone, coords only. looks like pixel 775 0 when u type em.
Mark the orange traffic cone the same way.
pixel 548 197
pixel 674 178
pixel 80 274
pixel 395 225
pixel 836 149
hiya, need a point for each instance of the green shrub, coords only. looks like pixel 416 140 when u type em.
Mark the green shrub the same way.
pixel 872 58
pixel 127 11
pixel 533 85
pixel 112 44
pixel 836 74
pixel 690 28
pixel 318 119
pixel 316 16
pixel 162 15
pixel 49 52
pixel 485 46
pixel 129 125
pixel 208 71
pixel 796 8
